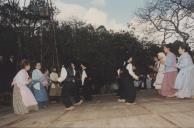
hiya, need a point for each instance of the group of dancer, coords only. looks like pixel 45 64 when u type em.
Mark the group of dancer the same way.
pixel 175 73
pixel 30 93
pixel 174 79
pixel 71 85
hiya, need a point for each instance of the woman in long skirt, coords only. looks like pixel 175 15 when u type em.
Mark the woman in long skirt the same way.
pixel 38 88
pixel 170 73
pixel 160 71
pixel 23 99
pixel 127 78
pixel 55 89
pixel 185 81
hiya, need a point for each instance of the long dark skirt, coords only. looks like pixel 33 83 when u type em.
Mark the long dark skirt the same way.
pixel 129 90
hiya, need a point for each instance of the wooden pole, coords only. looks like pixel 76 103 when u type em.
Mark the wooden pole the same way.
pixel 54 36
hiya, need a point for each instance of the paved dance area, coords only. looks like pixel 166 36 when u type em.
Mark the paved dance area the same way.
pixel 151 111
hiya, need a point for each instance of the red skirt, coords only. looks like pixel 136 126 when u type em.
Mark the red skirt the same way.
pixel 168 84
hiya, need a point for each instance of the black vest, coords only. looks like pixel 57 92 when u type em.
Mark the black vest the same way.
pixel 125 73
pixel 70 75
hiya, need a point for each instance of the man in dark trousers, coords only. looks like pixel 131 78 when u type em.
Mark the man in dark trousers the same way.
pixel 86 82
pixel 67 79
pixel 121 88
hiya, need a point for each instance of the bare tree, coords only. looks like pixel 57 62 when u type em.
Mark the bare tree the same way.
pixel 168 16
pixel 186 4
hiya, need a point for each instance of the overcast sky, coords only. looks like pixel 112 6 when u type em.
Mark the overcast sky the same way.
pixel 114 14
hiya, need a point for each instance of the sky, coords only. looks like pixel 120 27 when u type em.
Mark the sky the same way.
pixel 114 14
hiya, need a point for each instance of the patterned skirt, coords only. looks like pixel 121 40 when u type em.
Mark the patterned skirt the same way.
pixel 18 105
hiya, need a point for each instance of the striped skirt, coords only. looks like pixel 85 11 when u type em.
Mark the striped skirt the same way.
pixel 18 105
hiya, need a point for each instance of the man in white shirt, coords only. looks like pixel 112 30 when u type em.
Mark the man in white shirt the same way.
pixel 85 82
pixel 67 78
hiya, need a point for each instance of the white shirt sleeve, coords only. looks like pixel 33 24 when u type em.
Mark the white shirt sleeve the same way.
pixel 118 72
pixel 130 70
pixel 63 75
pixel 84 76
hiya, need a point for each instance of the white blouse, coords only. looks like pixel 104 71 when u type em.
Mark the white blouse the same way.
pixel 130 70
pixel 63 75
pixel 54 76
